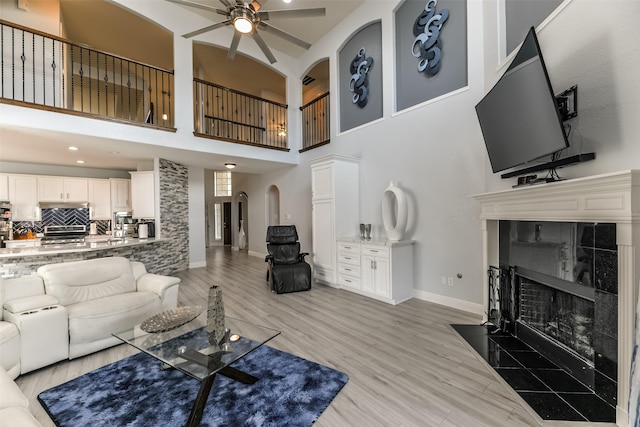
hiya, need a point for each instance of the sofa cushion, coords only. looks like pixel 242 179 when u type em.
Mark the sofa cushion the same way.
pixel 11 394
pixel 80 281
pixel 19 287
pixel 97 319
pixel 18 416
pixel 9 348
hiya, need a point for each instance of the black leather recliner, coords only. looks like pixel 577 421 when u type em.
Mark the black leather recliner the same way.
pixel 288 270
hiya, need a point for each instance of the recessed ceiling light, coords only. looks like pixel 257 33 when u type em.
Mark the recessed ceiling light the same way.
pixel 72 148
pixel 287 1
pixel 114 152
pixel 80 161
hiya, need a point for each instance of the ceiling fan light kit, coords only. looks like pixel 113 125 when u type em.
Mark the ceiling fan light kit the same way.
pixel 246 18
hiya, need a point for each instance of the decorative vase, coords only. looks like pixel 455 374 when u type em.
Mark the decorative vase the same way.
pixel 394 212
pixel 215 316
pixel 361 231
pixel 367 231
pixel 242 236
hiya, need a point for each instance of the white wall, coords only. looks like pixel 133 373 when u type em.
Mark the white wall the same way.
pixel 197 221
pixel 432 152
pixel 592 44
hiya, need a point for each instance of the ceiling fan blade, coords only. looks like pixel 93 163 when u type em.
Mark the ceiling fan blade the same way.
pixel 225 3
pixel 277 32
pixel 193 4
pixel 206 29
pixel 263 46
pixel 234 45
pixel 293 13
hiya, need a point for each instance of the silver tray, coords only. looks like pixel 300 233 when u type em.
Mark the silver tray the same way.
pixel 171 319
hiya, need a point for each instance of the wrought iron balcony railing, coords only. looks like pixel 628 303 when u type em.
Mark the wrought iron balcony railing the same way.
pixel 316 130
pixel 44 71
pixel 230 115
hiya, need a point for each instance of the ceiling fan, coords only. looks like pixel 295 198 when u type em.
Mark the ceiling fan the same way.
pixel 247 18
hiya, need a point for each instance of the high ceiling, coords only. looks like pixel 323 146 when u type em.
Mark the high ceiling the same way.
pixel 93 23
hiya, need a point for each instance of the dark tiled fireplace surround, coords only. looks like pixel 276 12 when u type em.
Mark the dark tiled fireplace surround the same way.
pixel 552 330
pixel 613 201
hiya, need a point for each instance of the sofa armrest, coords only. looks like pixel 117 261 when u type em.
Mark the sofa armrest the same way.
pixel 156 283
pixel 20 305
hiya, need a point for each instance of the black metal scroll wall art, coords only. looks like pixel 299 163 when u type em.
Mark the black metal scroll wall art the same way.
pixel 359 83
pixel 427 45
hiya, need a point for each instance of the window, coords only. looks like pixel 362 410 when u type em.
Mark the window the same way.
pixel 218 222
pixel 222 184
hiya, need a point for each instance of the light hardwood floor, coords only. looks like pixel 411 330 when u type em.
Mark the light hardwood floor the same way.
pixel 406 366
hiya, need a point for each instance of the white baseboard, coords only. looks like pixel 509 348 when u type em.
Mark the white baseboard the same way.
pixel 257 254
pixel 470 307
pixel 197 264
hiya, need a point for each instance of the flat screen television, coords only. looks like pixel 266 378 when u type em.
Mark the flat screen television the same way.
pixel 519 117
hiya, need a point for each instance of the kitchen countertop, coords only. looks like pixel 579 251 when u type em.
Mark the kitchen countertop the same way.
pixel 92 243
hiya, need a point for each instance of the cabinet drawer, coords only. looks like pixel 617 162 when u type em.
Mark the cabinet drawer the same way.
pixel 351 248
pixel 348 259
pixel 322 273
pixel 375 251
pixel 348 281
pixel 349 270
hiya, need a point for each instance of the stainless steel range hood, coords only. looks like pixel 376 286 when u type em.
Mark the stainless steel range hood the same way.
pixel 63 205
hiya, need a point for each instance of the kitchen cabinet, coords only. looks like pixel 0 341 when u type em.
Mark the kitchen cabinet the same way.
pixel 143 200
pixel 23 195
pixel 61 189
pixel 4 187
pixel 380 269
pixel 99 199
pixel 120 195
pixel 335 214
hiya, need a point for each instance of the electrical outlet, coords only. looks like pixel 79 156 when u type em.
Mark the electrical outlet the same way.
pixel 450 281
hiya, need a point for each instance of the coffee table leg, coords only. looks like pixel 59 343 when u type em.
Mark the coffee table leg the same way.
pixel 238 375
pixel 201 401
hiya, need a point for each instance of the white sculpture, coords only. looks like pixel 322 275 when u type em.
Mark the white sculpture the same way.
pixel 394 212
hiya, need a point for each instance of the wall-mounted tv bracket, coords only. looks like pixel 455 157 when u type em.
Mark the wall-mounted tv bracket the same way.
pixel 567 103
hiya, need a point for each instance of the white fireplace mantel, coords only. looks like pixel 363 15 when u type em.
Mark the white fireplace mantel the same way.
pixel 611 198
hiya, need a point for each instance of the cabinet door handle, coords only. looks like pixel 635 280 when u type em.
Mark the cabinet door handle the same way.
pixel 347 269
pixel 371 264
pixel 347 257
pixel 67 196
pixel 374 250
pixel 375 265
pixel 347 247
pixel 61 196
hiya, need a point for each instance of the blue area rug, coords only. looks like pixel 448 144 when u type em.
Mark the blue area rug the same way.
pixel 136 392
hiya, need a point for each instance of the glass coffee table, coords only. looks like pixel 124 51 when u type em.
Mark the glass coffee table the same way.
pixel 188 349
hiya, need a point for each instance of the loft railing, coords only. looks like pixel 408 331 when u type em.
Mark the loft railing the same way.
pixel 315 123
pixel 230 115
pixel 40 70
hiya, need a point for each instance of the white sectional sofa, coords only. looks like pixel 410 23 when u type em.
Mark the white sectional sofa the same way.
pixel 70 309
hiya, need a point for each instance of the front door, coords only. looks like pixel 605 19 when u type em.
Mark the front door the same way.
pixel 226 222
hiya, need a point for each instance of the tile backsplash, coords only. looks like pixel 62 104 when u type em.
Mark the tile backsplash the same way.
pixel 61 216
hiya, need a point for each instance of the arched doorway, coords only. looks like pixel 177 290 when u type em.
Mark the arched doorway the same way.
pixel 273 205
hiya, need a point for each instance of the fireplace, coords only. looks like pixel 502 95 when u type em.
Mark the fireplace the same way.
pixel 564 318
pixel 606 264
pixel 561 283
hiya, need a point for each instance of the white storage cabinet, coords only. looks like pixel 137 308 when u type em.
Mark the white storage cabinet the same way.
pixel 335 192
pixel 384 271
pixel 99 199
pixel 23 195
pixel 59 189
pixel 143 200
